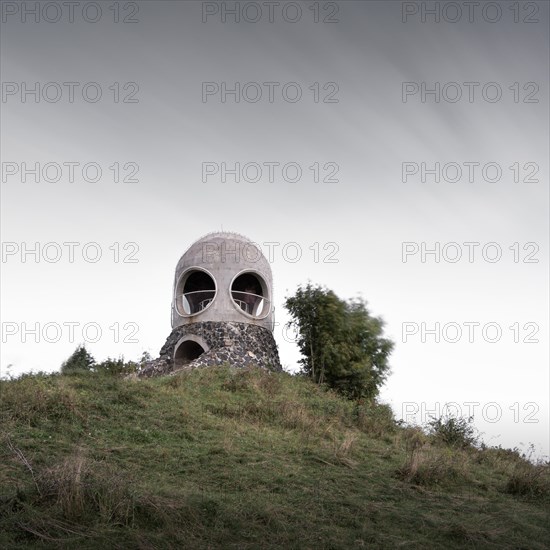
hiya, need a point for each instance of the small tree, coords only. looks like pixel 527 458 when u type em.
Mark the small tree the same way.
pixel 80 360
pixel 145 358
pixel 341 343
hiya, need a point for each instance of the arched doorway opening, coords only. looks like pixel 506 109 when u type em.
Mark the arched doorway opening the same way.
pixel 187 351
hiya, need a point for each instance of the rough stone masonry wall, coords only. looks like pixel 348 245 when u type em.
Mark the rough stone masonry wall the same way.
pixel 239 344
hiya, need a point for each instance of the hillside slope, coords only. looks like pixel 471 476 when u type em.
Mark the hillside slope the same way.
pixel 224 458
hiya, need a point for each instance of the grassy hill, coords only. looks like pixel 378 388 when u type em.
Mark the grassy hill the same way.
pixel 223 458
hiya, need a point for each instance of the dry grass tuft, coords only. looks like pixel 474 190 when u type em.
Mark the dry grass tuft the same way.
pixel 80 486
pixel 529 480
pixel 427 465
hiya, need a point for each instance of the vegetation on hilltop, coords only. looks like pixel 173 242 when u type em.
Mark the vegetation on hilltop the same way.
pixel 341 343
pixel 227 458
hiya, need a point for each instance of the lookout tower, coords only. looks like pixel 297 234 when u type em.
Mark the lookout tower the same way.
pixel 222 307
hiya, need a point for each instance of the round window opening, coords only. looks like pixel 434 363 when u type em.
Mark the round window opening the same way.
pixel 249 294
pixel 195 292
pixel 187 352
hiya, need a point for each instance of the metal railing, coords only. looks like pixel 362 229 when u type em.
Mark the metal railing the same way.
pixel 253 304
pixel 190 303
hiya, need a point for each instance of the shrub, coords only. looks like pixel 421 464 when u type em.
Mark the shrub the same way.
pixel 117 367
pixel 80 360
pixel 454 431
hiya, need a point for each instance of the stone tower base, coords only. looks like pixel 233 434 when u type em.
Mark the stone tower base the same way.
pixel 215 343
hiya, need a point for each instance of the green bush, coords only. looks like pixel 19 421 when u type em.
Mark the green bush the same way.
pixel 453 431
pixel 117 367
pixel 80 360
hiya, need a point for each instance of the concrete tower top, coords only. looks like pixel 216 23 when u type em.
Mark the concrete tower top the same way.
pixel 223 277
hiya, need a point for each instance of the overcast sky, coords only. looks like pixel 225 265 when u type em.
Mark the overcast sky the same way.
pixel 378 94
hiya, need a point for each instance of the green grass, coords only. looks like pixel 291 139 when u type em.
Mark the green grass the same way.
pixel 225 458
